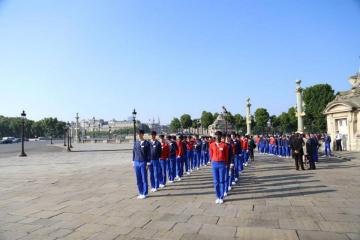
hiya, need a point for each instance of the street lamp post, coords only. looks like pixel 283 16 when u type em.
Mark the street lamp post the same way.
pixel 226 113
pixel 109 132
pixel 65 135
pixel 23 116
pixel 134 121
pixel 68 137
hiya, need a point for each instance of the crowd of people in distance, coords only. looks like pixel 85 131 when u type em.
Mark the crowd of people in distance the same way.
pixel 304 148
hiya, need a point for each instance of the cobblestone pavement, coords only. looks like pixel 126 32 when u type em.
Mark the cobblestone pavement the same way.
pixel 91 194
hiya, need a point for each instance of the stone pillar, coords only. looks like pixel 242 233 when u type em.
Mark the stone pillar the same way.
pixel 248 117
pixel 77 128
pixel 299 105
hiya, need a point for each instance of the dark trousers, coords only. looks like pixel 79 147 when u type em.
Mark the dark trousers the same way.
pixel 311 162
pixel 298 161
pixel 338 145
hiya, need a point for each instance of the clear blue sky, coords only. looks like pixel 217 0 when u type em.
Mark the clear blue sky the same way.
pixel 165 58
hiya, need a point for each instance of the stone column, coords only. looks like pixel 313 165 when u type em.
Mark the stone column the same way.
pixel 77 128
pixel 299 105
pixel 248 117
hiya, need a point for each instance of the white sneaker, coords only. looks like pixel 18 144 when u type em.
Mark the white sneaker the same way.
pixel 187 173
pixel 153 190
pixel 197 169
pixel 229 188
pixel 171 181
pixel 179 179
pixel 245 164
pixel 161 185
pixel 225 194
pixel 233 183
pixel 141 197
pixel 221 201
pixel 236 179
pixel 217 201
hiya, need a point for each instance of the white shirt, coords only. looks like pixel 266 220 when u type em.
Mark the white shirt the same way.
pixel 338 136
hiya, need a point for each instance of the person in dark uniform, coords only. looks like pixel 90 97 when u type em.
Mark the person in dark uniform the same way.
pixel 311 146
pixel 204 150
pixel 197 152
pixel 141 161
pixel 229 164
pixel 172 158
pixel 155 169
pixel 297 148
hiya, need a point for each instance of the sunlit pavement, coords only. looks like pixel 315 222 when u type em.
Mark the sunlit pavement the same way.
pixel 90 193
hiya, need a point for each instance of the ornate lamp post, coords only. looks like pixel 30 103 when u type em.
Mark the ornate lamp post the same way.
pixel 109 132
pixel 134 121
pixel 23 117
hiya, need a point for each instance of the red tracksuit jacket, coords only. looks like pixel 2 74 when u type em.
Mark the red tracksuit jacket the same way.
pixel 165 151
pixel 180 151
pixel 219 152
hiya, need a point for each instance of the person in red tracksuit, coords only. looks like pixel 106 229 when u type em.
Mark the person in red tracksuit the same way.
pixel 180 153
pixel 164 159
pixel 245 148
pixel 219 154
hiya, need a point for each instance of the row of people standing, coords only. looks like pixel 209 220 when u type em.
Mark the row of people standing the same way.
pixel 274 144
pixel 172 157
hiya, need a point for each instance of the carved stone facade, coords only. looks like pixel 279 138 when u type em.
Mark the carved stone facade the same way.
pixel 343 115
pixel 220 125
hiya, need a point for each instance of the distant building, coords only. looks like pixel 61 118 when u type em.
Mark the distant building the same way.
pixel 94 125
pixel 343 115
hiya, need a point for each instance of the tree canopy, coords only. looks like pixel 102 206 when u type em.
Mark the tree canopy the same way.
pixel 316 98
pixel 186 121
pixel 175 125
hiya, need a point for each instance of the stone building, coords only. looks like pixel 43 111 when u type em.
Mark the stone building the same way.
pixel 220 125
pixel 343 115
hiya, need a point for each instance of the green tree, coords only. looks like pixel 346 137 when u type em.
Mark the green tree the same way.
pixel 206 119
pixel 240 123
pixel 292 119
pixel 186 121
pixel 230 118
pixel 275 123
pixel 175 125
pixel 261 118
pixel 316 98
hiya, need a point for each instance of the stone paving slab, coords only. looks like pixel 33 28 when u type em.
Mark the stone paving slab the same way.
pixel 91 194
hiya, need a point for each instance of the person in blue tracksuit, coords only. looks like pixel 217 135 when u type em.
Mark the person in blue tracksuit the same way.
pixel 229 165
pixel 285 145
pixel 189 162
pixel 327 141
pixel 197 151
pixel 155 169
pixel 204 150
pixel 237 151
pixel 279 145
pixel 141 161
pixel 172 158
pixel 316 147
pixel 184 158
